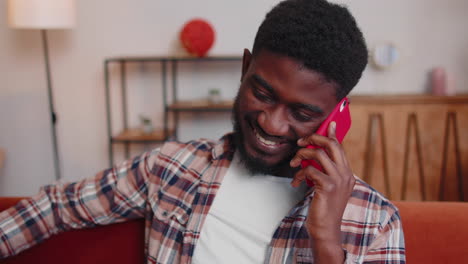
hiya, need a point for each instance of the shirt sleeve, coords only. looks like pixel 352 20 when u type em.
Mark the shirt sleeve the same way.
pixel 388 245
pixel 113 195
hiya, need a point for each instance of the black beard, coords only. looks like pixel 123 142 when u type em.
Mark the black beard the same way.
pixel 256 165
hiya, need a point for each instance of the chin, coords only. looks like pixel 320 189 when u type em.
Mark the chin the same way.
pixel 266 159
pixel 259 163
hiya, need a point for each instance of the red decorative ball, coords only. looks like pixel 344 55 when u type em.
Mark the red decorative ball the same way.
pixel 197 37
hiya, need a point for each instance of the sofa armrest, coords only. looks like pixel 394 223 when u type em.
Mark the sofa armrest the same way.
pixel 122 243
pixel 435 232
pixel 7 202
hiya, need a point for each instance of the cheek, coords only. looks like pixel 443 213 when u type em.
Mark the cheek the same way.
pixel 304 130
pixel 248 102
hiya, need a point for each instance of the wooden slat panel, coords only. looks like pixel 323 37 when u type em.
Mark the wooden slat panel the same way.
pixel 2 157
pixel 401 117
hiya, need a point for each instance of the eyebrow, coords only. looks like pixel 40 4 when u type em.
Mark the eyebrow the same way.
pixel 308 107
pixel 264 83
pixel 267 86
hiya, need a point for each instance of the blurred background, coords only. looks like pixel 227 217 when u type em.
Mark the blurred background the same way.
pixel 426 33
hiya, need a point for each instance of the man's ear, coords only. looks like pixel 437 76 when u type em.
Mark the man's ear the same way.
pixel 245 62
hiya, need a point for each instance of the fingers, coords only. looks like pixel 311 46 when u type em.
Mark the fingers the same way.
pixel 319 178
pixel 329 153
pixel 330 144
pixel 324 182
pixel 317 154
pixel 332 130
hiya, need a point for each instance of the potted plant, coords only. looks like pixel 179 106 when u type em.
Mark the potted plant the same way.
pixel 214 96
pixel 146 124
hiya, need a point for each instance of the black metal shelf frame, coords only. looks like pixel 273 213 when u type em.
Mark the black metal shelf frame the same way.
pixel 165 63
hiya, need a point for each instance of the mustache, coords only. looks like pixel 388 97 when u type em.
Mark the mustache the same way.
pixel 283 139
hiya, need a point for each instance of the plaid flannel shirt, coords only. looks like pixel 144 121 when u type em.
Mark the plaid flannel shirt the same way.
pixel 173 188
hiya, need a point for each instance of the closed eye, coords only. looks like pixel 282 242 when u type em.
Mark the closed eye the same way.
pixel 303 116
pixel 262 94
pixel 305 113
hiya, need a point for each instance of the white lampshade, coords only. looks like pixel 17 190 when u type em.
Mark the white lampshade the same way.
pixel 41 14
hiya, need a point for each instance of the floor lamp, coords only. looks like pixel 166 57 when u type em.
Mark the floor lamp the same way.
pixel 44 15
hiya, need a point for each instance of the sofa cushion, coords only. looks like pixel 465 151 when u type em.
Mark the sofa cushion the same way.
pixel 435 232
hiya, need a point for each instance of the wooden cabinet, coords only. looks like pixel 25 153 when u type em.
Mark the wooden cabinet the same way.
pixel 411 147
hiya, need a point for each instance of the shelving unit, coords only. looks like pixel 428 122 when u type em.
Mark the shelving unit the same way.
pixel 172 106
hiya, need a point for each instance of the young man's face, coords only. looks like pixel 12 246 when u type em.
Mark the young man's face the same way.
pixel 279 101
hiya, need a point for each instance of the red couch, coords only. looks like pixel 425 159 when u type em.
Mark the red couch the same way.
pixel 435 232
pixel 117 244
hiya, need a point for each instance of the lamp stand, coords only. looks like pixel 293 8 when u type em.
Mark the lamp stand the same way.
pixel 51 105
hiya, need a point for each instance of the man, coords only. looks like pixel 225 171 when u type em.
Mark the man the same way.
pixel 241 199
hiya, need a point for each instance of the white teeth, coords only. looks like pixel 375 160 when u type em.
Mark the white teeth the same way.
pixel 265 141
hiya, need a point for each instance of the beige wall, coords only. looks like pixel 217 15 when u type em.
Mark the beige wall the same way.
pixel 428 32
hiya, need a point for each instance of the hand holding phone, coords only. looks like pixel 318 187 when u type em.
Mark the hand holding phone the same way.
pixel 342 117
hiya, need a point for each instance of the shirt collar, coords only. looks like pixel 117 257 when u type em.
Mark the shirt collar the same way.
pixel 224 148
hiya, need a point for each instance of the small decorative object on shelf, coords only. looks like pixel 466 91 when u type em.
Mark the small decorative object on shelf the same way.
pixel 147 126
pixel 214 96
pixel 197 37
pixel 440 82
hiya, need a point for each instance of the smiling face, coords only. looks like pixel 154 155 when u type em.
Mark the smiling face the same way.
pixel 279 101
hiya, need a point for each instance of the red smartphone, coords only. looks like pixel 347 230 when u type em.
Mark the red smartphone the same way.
pixel 342 118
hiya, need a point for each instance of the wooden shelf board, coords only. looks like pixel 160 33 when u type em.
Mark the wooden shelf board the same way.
pixel 201 105
pixel 408 99
pixel 174 58
pixel 138 135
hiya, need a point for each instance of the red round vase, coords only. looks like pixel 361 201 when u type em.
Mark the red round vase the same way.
pixel 197 37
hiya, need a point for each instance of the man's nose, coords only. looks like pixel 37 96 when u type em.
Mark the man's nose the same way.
pixel 274 121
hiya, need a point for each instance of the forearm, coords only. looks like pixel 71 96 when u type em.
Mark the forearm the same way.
pixel 326 244
pixel 111 196
pixel 25 224
pixel 37 218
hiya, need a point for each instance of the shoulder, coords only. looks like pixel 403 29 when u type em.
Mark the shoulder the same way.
pixel 372 227
pixel 204 149
pixel 174 160
pixel 370 207
pixel 176 155
pixel 174 148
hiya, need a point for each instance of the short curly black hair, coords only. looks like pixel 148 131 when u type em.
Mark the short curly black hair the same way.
pixel 323 36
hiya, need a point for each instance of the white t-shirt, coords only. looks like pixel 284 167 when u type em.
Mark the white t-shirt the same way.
pixel 244 215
